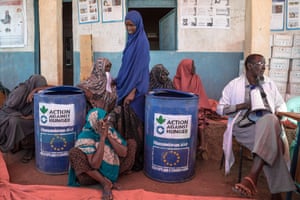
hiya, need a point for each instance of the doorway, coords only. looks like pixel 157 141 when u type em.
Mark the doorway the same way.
pixel 67 44
pixel 151 18
pixel 160 22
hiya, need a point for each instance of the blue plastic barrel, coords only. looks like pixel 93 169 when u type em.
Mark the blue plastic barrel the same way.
pixel 171 124
pixel 59 115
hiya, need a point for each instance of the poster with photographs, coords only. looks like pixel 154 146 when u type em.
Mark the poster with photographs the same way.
pixel 292 16
pixel 277 19
pixel 88 11
pixel 112 10
pixel 205 14
pixel 13 26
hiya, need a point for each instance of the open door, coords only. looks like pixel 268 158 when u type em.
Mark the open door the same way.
pixel 167 31
pixel 67 44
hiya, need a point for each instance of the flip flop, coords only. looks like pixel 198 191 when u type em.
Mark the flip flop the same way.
pixel 254 191
pixel 242 190
pixel 245 191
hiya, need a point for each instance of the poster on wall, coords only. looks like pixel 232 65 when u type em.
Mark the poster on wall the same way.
pixel 112 10
pixel 88 11
pixel 293 16
pixel 205 14
pixel 13 25
pixel 277 19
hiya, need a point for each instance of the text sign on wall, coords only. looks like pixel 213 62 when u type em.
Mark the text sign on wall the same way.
pixel 13 31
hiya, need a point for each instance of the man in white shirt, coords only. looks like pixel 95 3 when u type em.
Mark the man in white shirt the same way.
pixel 262 136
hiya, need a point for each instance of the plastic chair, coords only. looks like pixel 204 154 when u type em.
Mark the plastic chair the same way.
pixel 294 160
pixel 293 105
pixel 293 114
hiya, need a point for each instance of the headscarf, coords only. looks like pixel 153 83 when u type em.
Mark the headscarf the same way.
pixel 98 84
pixel 88 141
pixel 17 99
pixel 156 78
pixel 134 71
pixel 188 81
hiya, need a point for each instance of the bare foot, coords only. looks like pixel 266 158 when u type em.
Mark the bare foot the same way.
pixel 107 193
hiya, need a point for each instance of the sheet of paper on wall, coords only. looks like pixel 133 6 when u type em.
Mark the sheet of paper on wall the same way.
pixel 293 15
pixel 88 11
pixel 277 17
pixel 112 10
pixel 205 14
pixel 13 31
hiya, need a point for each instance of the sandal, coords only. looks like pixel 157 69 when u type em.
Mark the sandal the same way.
pixel 28 156
pixel 244 190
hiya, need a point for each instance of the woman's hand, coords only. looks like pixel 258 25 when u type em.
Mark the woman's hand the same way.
pixel 113 83
pixel 102 128
pixel 129 97
pixel 31 94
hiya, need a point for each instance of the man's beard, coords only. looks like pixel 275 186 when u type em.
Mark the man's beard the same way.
pixel 259 79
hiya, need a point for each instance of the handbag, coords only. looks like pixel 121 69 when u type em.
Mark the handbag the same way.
pixel 245 121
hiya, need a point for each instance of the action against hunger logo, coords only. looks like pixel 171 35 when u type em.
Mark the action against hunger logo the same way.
pixel 160 129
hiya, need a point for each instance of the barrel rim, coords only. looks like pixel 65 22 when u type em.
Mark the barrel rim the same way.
pixel 171 91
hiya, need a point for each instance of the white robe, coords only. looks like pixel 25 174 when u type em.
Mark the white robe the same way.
pixel 234 93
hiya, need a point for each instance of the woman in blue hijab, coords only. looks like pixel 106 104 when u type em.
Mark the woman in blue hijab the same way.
pixel 133 83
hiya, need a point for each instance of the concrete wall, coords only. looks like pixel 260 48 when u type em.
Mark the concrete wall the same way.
pixel 217 52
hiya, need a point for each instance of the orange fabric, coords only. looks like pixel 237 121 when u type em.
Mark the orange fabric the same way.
pixel 187 80
pixel 288 124
pixel 4 176
pixel 41 192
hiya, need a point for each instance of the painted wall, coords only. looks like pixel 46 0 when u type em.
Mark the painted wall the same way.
pixel 216 52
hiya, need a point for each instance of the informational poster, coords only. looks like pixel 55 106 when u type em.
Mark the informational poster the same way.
pixel 13 25
pixel 277 19
pixel 205 14
pixel 292 16
pixel 112 10
pixel 88 11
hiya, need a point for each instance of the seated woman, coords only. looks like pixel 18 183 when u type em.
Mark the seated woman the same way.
pixel 97 87
pixel 159 78
pixel 16 117
pixel 100 93
pixel 187 80
pixel 95 157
